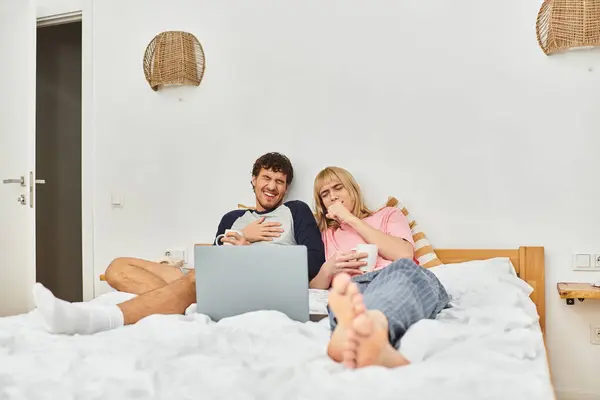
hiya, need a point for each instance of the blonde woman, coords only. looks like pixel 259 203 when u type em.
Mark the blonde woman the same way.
pixel 369 311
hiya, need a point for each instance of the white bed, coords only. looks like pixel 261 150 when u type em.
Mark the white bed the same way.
pixel 489 345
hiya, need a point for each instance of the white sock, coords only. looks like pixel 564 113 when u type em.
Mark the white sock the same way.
pixel 64 317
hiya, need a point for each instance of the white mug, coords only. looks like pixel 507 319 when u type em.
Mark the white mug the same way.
pixel 372 252
pixel 225 234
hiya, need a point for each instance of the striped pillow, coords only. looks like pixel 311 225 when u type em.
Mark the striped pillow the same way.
pixel 424 252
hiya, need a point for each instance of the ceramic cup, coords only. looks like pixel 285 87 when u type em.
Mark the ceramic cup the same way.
pixel 227 231
pixel 371 259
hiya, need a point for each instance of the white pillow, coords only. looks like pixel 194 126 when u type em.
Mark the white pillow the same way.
pixel 494 266
pixel 477 275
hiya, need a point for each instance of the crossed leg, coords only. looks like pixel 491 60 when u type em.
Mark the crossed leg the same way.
pixel 172 298
pixel 133 275
pixel 83 318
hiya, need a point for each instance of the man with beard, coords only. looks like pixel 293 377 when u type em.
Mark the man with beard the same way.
pixel 166 289
pixel 289 223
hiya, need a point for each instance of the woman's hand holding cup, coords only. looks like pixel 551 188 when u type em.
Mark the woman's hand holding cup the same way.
pixel 349 262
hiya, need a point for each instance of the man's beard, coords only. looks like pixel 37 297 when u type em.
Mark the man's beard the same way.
pixel 269 207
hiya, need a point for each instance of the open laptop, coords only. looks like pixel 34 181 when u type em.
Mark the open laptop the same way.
pixel 232 280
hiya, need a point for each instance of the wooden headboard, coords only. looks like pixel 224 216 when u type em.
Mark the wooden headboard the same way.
pixel 528 262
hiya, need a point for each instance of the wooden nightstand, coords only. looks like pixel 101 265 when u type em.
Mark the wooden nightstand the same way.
pixel 577 290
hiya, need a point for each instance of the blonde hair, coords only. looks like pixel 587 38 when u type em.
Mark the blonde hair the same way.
pixel 337 174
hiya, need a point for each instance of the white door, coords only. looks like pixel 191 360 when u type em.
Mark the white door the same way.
pixel 17 155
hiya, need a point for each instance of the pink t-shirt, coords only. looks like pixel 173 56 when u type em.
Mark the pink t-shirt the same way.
pixel 389 220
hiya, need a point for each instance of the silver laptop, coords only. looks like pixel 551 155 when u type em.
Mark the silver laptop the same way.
pixel 233 280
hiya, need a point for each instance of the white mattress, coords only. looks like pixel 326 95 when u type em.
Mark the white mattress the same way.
pixel 487 346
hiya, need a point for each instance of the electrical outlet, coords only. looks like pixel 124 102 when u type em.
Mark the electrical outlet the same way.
pixel 596 261
pixel 176 254
pixel 595 334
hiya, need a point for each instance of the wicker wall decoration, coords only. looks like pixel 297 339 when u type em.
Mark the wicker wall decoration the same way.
pixel 566 24
pixel 174 57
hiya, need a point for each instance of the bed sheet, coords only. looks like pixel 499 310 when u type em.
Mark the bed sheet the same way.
pixel 488 345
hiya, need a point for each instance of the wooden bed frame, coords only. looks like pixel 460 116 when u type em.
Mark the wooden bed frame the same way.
pixel 528 263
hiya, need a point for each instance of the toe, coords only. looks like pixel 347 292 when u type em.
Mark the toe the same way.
pixel 350 344
pixel 352 335
pixel 351 288
pixel 362 325
pixel 349 355
pixel 340 283
pixel 359 308
pixel 358 304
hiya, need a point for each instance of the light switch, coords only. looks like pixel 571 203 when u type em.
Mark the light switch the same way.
pixel 116 201
pixel 583 261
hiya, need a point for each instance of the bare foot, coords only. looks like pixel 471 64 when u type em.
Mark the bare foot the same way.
pixel 368 338
pixel 345 301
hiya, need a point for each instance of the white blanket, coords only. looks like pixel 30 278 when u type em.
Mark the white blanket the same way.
pixel 487 346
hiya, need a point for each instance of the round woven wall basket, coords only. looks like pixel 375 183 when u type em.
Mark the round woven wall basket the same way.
pixel 174 58
pixel 567 24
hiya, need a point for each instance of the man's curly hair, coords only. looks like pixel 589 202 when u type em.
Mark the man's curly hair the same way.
pixel 276 162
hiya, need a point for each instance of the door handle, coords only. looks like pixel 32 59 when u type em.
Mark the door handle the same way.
pixel 20 181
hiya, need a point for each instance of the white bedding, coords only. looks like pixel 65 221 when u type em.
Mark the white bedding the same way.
pixel 487 346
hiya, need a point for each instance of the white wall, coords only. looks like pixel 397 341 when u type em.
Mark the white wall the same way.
pixel 53 7
pixel 450 106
